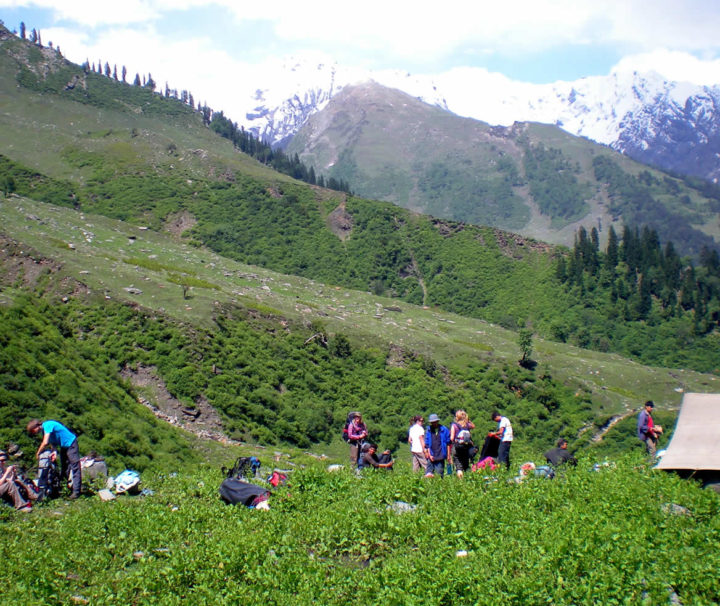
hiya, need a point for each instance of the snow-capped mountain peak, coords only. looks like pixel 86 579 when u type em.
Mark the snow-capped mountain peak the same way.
pixel 641 114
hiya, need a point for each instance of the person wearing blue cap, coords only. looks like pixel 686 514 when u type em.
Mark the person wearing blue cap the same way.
pixel 437 446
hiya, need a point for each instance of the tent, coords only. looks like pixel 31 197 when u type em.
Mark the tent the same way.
pixel 695 444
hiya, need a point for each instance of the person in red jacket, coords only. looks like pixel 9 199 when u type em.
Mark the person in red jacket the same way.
pixel 647 431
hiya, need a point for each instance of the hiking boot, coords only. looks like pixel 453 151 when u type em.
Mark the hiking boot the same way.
pixel 26 509
pixel 73 496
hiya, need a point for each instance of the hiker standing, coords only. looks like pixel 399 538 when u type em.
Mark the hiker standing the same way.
pixel 460 442
pixel 357 432
pixel 504 433
pixel 57 435
pixel 437 446
pixel 647 431
pixel 416 439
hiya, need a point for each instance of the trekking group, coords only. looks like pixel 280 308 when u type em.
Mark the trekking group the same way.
pixel 435 448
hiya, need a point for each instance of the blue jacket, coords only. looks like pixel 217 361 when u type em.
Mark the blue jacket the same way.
pixel 59 434
pixel 444 441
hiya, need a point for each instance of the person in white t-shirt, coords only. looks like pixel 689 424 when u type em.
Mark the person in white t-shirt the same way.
pixel 504 433
pixel 416 439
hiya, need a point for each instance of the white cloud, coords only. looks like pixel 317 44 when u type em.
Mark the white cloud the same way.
pixel 673 65
pixel 91 13
pixel 140 35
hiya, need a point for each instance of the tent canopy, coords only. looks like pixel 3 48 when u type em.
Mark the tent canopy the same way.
pixel 695 444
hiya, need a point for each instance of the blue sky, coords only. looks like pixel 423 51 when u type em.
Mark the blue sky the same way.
pixel 212 47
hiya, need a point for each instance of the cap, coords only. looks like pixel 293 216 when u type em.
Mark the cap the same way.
pixel 650 403
pixel 433 418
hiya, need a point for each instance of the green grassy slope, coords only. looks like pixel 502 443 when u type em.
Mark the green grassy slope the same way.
pixel 115 149
pixel 109 257
pixel 625 535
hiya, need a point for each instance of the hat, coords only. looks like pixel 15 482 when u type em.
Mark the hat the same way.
pixel 433 418
pixel 14 451
pixel 650 403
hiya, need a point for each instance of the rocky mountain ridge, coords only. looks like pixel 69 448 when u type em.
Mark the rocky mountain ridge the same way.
pixel 672 125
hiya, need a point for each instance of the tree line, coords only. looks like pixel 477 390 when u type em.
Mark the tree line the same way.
pixel 241 139
pixel 639 277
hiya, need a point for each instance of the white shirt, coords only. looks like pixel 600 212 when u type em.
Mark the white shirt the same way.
pixel 417 438
pixel 507 434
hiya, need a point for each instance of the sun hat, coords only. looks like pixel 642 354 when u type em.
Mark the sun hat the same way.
pixel 433 418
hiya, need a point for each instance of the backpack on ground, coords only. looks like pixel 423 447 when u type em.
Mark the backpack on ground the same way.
pixel 237 492
pixel 48 476
pixel 277 478
pixel 348 421
pixel 245 467
pixel 127 482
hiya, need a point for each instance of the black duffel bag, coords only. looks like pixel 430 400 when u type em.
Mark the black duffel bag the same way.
pixel 237 492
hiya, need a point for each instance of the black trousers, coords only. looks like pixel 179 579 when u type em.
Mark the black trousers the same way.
pixel 70 461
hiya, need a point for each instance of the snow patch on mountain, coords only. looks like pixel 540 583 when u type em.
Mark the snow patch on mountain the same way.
pixel 632 112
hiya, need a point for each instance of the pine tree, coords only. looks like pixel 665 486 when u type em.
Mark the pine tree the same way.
pixel 23 33
pixel 124 73
pixel 137 82
pixel 611 254
pixel 108 71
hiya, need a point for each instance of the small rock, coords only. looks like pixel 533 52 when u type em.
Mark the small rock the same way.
pixel 401 507
pixel 106 495
pixel 675 509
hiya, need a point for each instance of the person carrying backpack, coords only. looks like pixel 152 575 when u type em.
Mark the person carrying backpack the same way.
pixel 461 442
pixel 357 432
pixel 57 435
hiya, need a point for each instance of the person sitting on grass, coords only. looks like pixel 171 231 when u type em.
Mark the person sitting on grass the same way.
pixel 9 490
pixel 28 490
pixel 560 455
pixel 368 458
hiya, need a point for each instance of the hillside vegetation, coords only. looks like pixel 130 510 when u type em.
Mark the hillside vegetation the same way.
pixel 624 535
pixel 137 243
pixel 106 147
pixel 282 359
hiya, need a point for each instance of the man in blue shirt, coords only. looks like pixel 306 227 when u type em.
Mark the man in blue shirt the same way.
pixel 57 435
pixel 437 446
